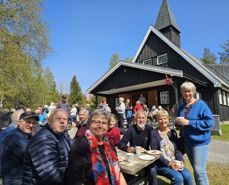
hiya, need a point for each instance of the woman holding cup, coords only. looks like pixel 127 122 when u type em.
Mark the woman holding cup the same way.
pixel 171 163
pixel 195 120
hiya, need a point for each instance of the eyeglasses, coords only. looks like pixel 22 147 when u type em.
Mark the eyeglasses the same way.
pixel 97 123
pixel 30 122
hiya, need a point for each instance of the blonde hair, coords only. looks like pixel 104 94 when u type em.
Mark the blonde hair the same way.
pixel 162 113
pixel 114 117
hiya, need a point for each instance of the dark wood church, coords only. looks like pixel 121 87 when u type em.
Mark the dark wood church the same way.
pixel 159 67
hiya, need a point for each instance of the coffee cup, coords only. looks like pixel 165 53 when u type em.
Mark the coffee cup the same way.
pixel 178 163
pixel 138 150
pixel 129 157
pixel 180 119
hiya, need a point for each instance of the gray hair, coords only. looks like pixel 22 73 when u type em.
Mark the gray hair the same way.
pixel 83 110
pixel 98 113
pixel 139 112
pixel 188 86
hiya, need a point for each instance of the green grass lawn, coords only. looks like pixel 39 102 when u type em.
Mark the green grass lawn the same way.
pixel 225 135
pixel 217 174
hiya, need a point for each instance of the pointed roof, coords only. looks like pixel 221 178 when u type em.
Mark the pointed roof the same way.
pixel 165 17
pixel 156 69
pixel 196 63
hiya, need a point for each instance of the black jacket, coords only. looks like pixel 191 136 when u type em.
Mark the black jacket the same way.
pixel 136 137
pixel 46 158
pixel 12 156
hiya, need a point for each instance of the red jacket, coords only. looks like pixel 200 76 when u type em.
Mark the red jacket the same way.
pixel 113 135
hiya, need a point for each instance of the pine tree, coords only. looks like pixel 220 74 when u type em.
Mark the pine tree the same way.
pixel 208 57
pixel 224 56
pixel 76 95
pixel 114 60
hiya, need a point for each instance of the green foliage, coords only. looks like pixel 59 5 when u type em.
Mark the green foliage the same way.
pixel 224 56
pixel 76 95
pixel 114 60
pixel 23 43
pixel 22 20
pixel 208 57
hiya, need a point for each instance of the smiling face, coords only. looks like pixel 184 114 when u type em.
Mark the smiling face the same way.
pixel 162 119
pixel 187 94
pixel 112 122
pixel 99 126
pixel 188 91
pixel 141 119
pixel 58 121
pixel 27 125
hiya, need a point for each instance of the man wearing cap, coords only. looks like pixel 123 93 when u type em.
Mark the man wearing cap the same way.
pixel 14 149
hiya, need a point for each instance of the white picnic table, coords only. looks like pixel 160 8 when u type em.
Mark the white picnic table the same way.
pixel 136 165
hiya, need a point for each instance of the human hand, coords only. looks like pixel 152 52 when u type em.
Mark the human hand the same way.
pixel 130 149
pixel 182 121
pixel 176 165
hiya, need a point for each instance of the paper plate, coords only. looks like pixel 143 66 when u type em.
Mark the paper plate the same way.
pixel 153 152
pixel 146 157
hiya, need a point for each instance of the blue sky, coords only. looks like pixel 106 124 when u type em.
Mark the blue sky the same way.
pixel 84 34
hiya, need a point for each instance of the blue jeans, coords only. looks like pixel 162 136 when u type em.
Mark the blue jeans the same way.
pixel 198 156
pixel 176 177
pixel 152 176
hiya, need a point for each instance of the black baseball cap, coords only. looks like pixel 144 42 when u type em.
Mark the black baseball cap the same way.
pixel 27 115
pixel 64 96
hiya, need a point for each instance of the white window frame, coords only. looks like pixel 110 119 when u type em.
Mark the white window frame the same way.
pixel 220 97
pixel 148 61
pixel 224 98
pixel 164 97
pixel 164 59
pixel 228 99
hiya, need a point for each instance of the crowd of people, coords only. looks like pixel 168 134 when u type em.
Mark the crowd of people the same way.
pixel 37 149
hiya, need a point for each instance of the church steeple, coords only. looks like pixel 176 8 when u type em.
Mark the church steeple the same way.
pixel 166 23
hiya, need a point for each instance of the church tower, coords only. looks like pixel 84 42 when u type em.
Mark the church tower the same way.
pixel 166 23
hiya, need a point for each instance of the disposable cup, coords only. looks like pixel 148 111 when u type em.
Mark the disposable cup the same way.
pixel 129 157
pixel 138 150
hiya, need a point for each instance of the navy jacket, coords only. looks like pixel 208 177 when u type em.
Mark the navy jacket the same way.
pixel 136 137
pixel 12 156
pixel 46 158
pixel 155 145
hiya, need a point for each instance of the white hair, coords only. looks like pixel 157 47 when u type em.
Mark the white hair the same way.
pixel 188 86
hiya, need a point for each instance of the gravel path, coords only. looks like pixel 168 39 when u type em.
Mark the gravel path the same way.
pixel 219 152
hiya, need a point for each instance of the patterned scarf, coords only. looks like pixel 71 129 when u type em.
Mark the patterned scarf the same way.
pixel 98 166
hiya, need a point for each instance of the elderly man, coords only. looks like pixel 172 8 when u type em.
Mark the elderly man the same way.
pixel 82 126
pixel 138 135
pixel 3 134
pixel 14 149
pixel 46 157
